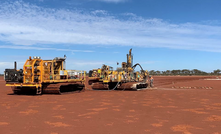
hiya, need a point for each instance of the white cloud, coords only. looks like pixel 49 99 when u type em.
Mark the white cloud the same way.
pixel 9 65
pixel 5 64
pixel 87 65
pixel 42 48
pixel 111 1
pixel 26 25
pixel 102 12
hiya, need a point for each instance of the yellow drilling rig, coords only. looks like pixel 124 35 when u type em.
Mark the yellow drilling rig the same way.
pixel 124 78
pixel 44 76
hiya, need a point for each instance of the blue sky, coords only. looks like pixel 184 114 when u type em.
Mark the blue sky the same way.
pixel 164 34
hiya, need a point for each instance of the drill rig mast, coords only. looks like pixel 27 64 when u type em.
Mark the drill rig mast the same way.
pixel 124 78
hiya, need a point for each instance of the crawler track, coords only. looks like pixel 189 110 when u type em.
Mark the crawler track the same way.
pixel 50 88
pixel 60 88
pixel 119 86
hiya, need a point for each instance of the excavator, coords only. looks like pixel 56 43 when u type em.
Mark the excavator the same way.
pixel 124 78
pixel 44 76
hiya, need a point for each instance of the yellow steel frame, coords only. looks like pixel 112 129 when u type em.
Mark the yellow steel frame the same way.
pixel 24 85
pixel 46 81
pixel 33 61
pixel 42 80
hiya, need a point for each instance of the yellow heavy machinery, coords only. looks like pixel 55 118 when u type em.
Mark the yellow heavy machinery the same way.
pixel 124 78
pixel 44 76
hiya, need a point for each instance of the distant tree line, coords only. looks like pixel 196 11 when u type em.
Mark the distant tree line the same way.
pixel 184 72
pixel 179 72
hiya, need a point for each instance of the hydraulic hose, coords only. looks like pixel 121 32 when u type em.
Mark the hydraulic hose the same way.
pixel 142 71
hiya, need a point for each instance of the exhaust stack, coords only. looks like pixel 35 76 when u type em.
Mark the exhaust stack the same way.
pixel 15 65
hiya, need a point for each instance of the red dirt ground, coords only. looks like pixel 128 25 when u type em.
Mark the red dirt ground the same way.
pixel 171 107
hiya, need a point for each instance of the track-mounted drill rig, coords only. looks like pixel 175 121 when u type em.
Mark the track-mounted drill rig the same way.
pixel 44 76
pixel 124 78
